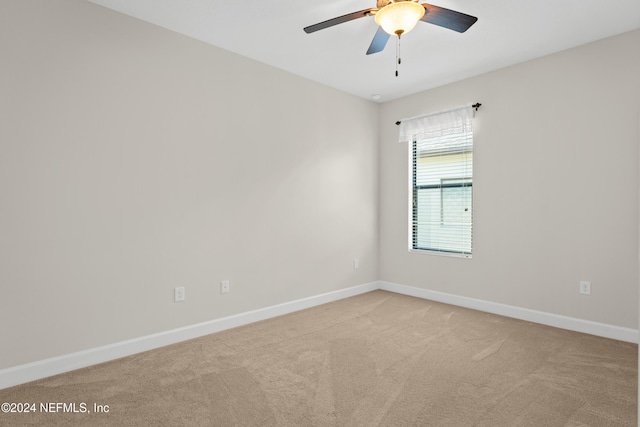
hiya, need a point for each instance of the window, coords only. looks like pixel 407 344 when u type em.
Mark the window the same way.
pixel 441 182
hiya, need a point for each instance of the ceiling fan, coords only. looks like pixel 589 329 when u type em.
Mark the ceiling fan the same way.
pixel 398 17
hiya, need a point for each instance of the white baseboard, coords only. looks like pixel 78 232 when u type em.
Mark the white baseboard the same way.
pixel 555 320
pixel 57 365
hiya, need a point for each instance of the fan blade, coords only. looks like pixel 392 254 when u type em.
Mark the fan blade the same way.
pixel 338 20
pixel 447 18
pixel 379 41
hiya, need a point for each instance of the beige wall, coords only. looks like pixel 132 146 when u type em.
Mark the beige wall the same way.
pixel 134 160
pixel 555 185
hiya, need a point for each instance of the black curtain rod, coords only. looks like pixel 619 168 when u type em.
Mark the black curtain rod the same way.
pixel 476 106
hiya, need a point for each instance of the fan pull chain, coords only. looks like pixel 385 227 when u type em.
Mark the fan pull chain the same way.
pixel 398 60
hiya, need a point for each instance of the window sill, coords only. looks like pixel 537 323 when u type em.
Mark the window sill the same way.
pixel 440 253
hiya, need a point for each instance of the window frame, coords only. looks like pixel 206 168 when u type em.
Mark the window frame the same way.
pixel 412 199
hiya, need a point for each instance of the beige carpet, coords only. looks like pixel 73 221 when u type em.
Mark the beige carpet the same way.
pixel 377 359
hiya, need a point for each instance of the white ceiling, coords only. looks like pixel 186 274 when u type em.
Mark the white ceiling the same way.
pixel 507 32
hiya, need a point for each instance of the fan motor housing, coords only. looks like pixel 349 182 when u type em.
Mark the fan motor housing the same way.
pixel 382 3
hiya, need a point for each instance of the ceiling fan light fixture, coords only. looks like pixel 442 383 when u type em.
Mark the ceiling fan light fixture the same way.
pixel 399 18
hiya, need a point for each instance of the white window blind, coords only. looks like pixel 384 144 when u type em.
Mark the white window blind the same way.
pixel 441 181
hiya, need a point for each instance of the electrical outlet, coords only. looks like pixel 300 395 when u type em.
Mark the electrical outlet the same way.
pixel 178 294
pixel 356 263
pixel 224 287
pixel 585 287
